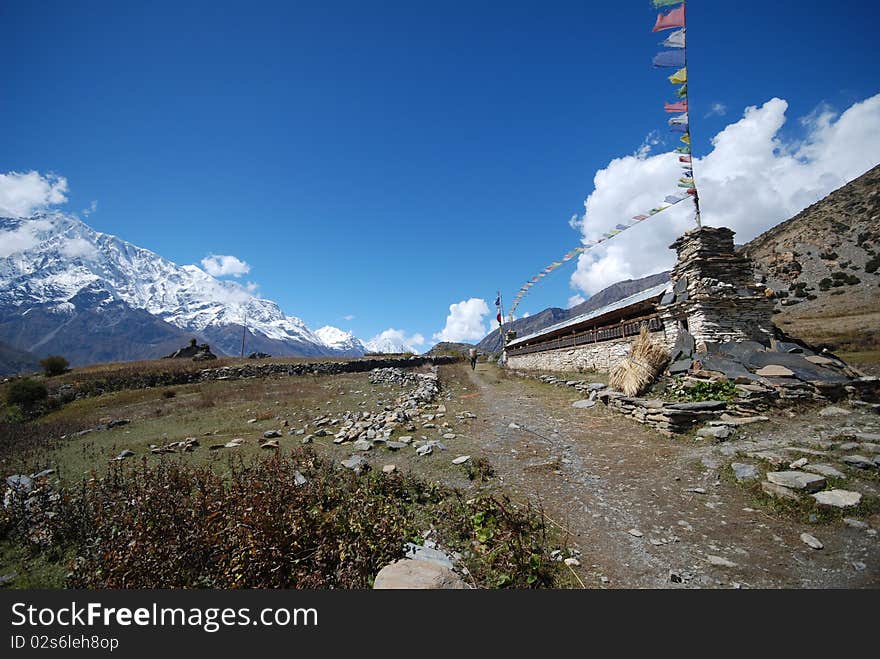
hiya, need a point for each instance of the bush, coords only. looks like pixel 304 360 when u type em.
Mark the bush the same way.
pixel 175 525
pixel 26 393
pixel 54 365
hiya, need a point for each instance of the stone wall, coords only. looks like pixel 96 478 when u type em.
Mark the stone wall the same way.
pixel 601 356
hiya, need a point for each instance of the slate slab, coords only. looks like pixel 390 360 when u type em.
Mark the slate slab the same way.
pixel 797 480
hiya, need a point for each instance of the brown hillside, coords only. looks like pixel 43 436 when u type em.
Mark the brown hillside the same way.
pixel 823 265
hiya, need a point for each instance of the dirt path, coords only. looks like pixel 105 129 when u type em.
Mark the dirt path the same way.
pixel 640 506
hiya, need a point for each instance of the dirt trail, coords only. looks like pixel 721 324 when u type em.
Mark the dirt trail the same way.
pixel 601 476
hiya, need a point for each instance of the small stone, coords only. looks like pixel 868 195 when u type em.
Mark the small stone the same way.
pixel 298 478
pixel 406 439
pixel 824 470
pixel 126 453
pixel 779 491
pixel 719 561
pixel 271 434
pixel 449 435
pixel 744 472
pixel 252 420
pixel 272 443
pixel 362 445
pixel 797 480
pixel 837 498
pixel 818 359
pixel 774 371
pixel 797 464
pixel 696 490
pixel 811 541
pixel 461 459
pixel 859 461
pixel 832 410
pixel 715 432
pixel 308 439
pixel 635 533
pixel 355 463
pixel 855 523
pixel 513 426
pixel 572 562
pixel 389 469
pixel 427 449
pixel 583 404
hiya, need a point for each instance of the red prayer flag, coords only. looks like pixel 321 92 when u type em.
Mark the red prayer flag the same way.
pixel 675 18
pixel 678 106
pixel 692 191
pixel 684 159
pixel 498 317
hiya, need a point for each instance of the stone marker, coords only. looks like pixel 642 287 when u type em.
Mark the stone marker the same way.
pixel 837 498
pixel 417 574
pixel 797 480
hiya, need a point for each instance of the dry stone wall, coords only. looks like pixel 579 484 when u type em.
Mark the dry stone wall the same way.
pixel 601 356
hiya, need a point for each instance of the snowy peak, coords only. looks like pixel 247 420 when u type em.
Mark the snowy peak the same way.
pixel 386 344
pixel 337 339
pixel 50 258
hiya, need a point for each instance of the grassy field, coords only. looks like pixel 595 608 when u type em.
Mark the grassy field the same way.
pixel 219 411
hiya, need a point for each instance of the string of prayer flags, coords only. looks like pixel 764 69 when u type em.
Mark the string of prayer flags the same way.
pixel 679 106
pixel 674 18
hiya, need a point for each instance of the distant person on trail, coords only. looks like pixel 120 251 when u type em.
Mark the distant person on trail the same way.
pixel 472 355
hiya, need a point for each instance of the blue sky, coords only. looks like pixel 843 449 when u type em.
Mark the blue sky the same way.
pixel 385 160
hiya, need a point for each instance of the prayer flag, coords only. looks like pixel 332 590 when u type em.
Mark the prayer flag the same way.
pixel 665 3
pixel 498 318
pixel 674 40
pixel 680 77
pixel 686 138
pixel 674 18
pixel 682 91
pixel 679 128
pixel 669 59
pixel 692 191
pixel 622 227
pixel 681 119
pixel 683 149
pixel 678 106
pixel 639 218
pixel 673 199
pixel 684 159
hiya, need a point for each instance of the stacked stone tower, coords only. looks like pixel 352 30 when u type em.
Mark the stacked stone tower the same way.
pixel 715 295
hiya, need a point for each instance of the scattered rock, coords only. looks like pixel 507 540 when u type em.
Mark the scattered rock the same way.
pixel 362 445
pixel 719 561
pixel 126 453
pixel 715 432
pixel 356 463
pixel 837 498
pixel 824 470
pixel 424 450
pixel 855 523
pixel 417 574
pixel 797 480
pixel 298 478
pixel 583 404
pixel 514 426
pixel 859 461
pixel 272 443
pixel 271 434
pixel 744 472
pixel 461 459
pixel 831 410
pixel 635 533
pixel 811 541
pixel 389 469
pixel 779 491
pixel 308 439
pixel 572 562
pixel 449 435
pixel 797 464
pixel 426 553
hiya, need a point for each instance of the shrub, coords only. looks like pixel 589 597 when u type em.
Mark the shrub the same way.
pixel 169 393
pixel 54 365
pixel 26 393
pixel 176 525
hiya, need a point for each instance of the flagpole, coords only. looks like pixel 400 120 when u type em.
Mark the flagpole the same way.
pixel 688 99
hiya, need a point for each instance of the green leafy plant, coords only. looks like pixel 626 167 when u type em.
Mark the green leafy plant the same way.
pixel 26 393
pixel 54 365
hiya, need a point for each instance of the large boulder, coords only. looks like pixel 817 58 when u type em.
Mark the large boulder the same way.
pixel 419 575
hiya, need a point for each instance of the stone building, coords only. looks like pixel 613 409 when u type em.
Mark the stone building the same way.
pixel 712 297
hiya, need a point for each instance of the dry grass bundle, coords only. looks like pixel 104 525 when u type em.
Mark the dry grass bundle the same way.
pixel 635 374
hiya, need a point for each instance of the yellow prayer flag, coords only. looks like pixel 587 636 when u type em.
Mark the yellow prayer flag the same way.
pixel 680 77
pixel 686 138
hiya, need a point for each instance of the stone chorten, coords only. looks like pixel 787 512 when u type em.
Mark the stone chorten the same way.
pixel 715 295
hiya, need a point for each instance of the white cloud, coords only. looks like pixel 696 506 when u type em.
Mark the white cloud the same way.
pixel 85 212
pixel 465 321
pixel 348 317
pixel 750 181
pixel 23 237
pixel 21 195
pixel 221 265
pixel 575 300
pixel 717 110
pixel 78 247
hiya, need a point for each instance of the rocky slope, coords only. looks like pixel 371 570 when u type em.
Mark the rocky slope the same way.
pixel 14 361
pixel 94 297
pixel 823 265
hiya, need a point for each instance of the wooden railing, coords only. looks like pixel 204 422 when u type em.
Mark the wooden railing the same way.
pixel 621 330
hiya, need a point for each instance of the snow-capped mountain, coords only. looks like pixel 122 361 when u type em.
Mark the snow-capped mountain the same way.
pixel 389 345
pixel 344 342
pixel 60 273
